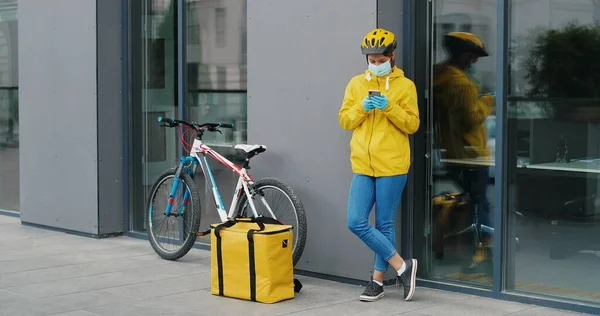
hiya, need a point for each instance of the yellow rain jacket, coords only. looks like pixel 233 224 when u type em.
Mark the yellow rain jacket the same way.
pixel 460 113
pixel 379 145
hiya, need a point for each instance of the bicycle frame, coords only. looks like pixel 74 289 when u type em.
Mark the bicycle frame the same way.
pixel 190 163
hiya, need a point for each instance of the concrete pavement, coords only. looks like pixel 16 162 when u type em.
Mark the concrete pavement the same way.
pixel 43 272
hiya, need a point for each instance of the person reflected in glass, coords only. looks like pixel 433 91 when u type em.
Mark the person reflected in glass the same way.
pixel 461 114
pixel 381 122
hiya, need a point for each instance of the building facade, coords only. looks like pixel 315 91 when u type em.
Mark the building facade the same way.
pixel 80 95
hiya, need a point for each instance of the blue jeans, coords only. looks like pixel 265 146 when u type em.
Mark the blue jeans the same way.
pixel 385 194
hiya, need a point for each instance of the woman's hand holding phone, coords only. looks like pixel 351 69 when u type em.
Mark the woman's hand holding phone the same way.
pixel 367 104
pixel 380 101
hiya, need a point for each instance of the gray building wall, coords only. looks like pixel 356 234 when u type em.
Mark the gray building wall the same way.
pixel 391 17
pixel 57 93
pixel 111 189
pixel 72 173
pixel 62 182
pixel 299 62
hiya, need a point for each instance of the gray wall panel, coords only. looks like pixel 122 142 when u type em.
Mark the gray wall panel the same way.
pixel 299 62
pixel 57 72
pixel 390 18
pixel 110 118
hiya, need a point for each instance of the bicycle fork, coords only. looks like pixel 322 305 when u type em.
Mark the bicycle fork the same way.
pixel 183 162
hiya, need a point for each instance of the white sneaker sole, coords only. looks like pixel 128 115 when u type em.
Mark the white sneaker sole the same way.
pixel 413 280
pixel 371 298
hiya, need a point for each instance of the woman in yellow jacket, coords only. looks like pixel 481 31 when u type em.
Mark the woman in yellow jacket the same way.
pixel 380 156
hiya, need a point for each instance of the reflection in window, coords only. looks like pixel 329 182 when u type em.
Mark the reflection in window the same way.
pixel 221 78
pixel 192 34
pixel 216 82
pixel 153 90
pixel 9 107
pixel 554 147
pixel 221 107
pixel 220 23
pixel 463 74
pixel 216 68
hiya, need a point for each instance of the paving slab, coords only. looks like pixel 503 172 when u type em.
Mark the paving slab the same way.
pixel 44 272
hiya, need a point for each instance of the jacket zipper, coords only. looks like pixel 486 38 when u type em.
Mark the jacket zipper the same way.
pixel 371 135
pixel 369 146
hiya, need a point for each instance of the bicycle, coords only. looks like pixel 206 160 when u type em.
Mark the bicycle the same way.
pixel 246 195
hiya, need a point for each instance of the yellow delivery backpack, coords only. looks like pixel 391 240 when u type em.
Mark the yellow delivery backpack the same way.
pixel 251 259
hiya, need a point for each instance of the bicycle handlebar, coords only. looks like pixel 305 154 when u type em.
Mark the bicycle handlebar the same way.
pixel 171 122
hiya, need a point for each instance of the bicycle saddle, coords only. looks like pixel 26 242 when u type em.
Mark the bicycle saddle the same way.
pixel 251 148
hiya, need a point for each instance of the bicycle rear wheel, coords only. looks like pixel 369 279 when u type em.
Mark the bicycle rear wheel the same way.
pixel 172 236
pixel 285 204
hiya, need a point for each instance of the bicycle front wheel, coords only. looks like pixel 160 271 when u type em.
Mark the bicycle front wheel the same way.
pixel 273 195
pixel 173 221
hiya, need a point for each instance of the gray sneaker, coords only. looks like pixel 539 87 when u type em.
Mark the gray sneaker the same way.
pixel 372 293
pixel 408 279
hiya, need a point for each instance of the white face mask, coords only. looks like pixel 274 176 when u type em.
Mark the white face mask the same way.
pixel 381 70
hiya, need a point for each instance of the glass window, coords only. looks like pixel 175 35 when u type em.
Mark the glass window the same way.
pixel 9 107
pixel 216 83
pixel 215 73
pixel 216 70
pixel 154 94
pixel 554 148
pixel 463 79
pixel 220 27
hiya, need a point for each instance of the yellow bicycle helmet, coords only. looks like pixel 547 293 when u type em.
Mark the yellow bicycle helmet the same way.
pixel 463 42
pixel 378 41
